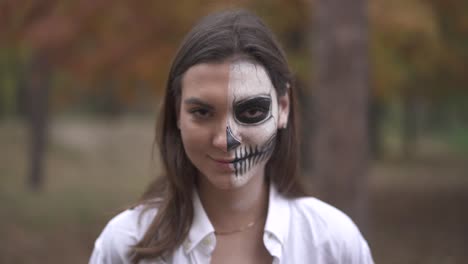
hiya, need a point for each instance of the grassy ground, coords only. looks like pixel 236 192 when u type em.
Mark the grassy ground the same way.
pixel 418 208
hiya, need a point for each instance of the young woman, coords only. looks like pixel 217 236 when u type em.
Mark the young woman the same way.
pixel 227 139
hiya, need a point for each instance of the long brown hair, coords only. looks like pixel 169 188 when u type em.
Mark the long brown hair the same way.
pixel 215 38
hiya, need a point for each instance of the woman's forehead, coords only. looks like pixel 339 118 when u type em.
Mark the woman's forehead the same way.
pixel 206 73
pixel 247 79
pixel 238 79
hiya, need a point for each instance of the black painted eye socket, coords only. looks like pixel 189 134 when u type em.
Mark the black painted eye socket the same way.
pixel 253 110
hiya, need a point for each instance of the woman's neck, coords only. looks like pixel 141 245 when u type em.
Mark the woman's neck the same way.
pixel 234 209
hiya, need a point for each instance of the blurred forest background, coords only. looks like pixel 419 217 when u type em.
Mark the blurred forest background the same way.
pixel 80 83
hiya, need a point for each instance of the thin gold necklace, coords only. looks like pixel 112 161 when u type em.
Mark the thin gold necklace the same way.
pixel 241 229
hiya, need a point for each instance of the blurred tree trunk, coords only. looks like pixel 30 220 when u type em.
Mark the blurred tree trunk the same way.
pixel 6 83
pixel 376 114
pixel 340 148
pixel 409 126
pixel 37 95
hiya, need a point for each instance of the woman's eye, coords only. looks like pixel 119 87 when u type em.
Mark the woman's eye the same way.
pixel 200 113
pixel 253 111
pixel 253 115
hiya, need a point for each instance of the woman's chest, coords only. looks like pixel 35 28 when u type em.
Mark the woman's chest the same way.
pixel 240 250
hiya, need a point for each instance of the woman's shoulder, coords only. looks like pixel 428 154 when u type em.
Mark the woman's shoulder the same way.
pixel 330 229
pixel 133 221
pixel 121 233
pixel 322 213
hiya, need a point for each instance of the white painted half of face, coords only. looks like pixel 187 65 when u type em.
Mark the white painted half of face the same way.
pixel 252 119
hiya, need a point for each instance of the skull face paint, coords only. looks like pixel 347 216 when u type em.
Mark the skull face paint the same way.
pixel 252 118
pixel 229 116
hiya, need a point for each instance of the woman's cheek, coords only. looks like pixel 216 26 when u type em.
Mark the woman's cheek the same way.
pixel 195 136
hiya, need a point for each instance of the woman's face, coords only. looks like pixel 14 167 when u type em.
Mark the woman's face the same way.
pixel 229 116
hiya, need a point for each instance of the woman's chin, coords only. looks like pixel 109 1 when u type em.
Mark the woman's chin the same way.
pixel 228 181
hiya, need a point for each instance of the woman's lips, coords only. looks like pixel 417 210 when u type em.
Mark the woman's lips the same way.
pixel 224 164
pixel 230 160
pixel 223 160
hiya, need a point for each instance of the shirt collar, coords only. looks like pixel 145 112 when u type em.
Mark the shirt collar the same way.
pixel 201 225
pixel 277 222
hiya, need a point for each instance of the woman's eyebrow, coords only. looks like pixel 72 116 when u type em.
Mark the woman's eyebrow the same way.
pixel 197 101
pixel 254 100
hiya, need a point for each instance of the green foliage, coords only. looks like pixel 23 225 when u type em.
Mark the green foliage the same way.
pixel 459 139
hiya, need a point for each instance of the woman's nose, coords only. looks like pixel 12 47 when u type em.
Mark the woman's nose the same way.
pixel 232 142
pixel 225 139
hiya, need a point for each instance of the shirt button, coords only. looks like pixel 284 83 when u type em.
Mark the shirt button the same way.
pixel 187 245
pixel 206 241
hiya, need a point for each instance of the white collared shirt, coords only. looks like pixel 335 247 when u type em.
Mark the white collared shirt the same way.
pixel 302 230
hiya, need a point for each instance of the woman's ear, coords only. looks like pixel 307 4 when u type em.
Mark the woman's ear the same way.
pixel 283 109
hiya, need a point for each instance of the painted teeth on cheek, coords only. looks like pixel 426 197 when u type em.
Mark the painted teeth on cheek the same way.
pixel 256 154
pixel 246 160
pixel 243 162
pixel 250 160
pixel 240 162
pixel 237 163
